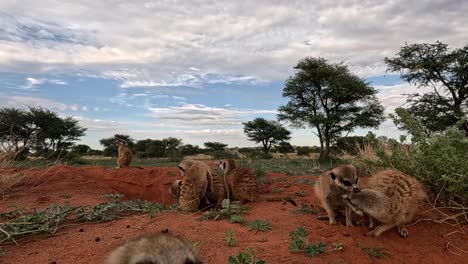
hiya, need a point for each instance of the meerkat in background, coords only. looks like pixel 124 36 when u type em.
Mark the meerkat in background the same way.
pixel 155 249
pixel 125 154
pixel 241 184
pixel 392 198
pixel 193 187
pixel 330 188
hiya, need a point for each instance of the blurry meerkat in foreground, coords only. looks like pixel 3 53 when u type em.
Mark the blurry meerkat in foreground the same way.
pixel 330 188
pixel 155 249
pixel 241 184
pixel 392 198
pixel 125 154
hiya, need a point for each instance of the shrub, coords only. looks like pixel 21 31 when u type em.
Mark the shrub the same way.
pixel 349 144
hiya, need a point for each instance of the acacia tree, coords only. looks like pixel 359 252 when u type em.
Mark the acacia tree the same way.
pixel 215 146
pixel 329 98
pixel 269 133
pixel 446 71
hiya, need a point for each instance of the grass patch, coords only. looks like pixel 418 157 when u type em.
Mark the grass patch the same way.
pixel 229 210
pixel 247 257
pixel 300 193
pixel 259 225
pixel 292 166
pixel 304 209
pixel 299 243
pixel 49 220
pixel 373 252
pixel 277 190
pixel 305 181
pixel 229 238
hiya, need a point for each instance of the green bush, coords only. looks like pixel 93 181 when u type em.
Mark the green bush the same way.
pixel 349 144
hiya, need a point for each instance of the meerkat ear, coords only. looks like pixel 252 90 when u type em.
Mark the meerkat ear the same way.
pixel 332 175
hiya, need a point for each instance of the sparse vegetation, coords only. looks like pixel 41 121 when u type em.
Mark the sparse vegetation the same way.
pixel 230 210
pixel 299 243
pixel 373 252
pixel 229 237
pixel 304 209
pixel 259 225
pixel 21 224
pixel 305 181
pixel 247 257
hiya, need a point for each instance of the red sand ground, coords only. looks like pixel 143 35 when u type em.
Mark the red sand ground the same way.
pixel 84 186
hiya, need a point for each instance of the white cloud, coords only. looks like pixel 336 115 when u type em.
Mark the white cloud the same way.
pixel 74 107
pixel 393 96
pixel 196 115
pixel 20 101
pixel 160 41
pixel 31 83
pixel 84 108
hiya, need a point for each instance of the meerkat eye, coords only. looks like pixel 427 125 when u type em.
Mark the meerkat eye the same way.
pixel 347 183
pixel 180 168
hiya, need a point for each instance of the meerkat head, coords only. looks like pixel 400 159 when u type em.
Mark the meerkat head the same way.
pixel 174 190
pixel 345 177
pixel 227 165
pixel 121 142
pixel 184 165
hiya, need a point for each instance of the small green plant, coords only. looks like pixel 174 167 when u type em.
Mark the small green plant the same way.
pixel 305 181
pixel 229 210
pixel 50 219
pixel 304 209
pixel 299 243
pixel 247 257
pixel 259 225
pixel 373 252
pixel 229 237
pixel 277 190
pixel 300 193
pixel 66 196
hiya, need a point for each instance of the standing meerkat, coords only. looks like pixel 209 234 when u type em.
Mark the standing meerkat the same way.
pixel 155 249
pixel 241 184
pixel 331 186
pixel 193 187
pixel 125 154
pixel 392 198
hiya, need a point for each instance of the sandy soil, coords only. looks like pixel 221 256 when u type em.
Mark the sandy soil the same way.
pixel 90 243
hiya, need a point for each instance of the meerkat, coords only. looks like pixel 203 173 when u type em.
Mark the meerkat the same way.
pixel 193 187
pixel 241 184
pixel 125 154
pixel 392 198
pixel 214 195
pixel 330 187
pixel 155 249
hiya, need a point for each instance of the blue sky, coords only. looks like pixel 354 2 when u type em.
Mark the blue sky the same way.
pixel 196 70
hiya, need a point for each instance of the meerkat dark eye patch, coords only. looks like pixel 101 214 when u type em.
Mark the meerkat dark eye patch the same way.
pixel 332 175
pixel 347 183
pixel 180 168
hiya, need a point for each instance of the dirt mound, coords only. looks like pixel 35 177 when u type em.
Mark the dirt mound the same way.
pixel 148 184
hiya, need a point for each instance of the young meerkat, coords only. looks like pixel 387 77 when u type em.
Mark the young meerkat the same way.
pixel 392 198
pixel 241 184
pixel 214 195
pixel 193 187
pixel 155 249
pixel 330 187
pixel 125 154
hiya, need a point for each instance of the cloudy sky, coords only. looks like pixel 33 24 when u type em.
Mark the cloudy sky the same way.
pixel 197 69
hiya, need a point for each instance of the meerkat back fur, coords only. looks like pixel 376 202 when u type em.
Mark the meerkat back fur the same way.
pixel 241 184
pixel 392 198
pixel 125 154
pixel 332 185
pixel 155 249
pixel 193 187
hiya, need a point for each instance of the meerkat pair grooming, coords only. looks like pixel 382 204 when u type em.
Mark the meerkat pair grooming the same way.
pixel 155 249
pixel 330 188
pixel 197 179
pixel 392 198
pixel 241 184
